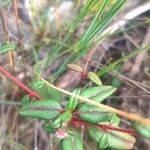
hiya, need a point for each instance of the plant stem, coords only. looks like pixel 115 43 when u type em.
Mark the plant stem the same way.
pixel 23 86
pixel 102 126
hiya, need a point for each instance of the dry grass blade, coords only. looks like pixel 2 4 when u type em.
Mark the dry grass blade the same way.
pixel 3 16
pixel 126 79
pixel 14 2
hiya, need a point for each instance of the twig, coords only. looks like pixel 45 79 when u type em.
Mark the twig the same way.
pixel 124 78
pixel 102 126
pixel 91 52
pixel 131 96
pixel 140 57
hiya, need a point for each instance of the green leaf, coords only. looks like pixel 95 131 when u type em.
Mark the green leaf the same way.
pixel 93 77
pixel 93 114
pixel 49 127
pixel 45 91
pixel 41 109
pixel 114 120
pixel 94 133
pixel 25 100
pixel 120 140
pixel 6 47
pixel 104 141
pixel 58 122
pixel 73 100
pixel 72 142
pixel 66 144
pixel 98 93
pixel 143 130
pixel 111 139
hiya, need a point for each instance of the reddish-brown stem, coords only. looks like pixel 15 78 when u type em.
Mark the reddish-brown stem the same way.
pixel 83 77
pixel 75 121
pixel 92 50
pixel 110 127
pixel 23 86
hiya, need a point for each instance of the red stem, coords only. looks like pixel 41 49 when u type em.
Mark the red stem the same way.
pixel 23 86
pixel 104 127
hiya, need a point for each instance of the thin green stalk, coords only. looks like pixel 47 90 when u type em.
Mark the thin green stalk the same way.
pixel 82 46
pixel 84 12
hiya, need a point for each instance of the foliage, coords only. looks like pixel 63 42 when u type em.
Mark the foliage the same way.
pixel 92 34
pixel 103 126
pixel 5 48
pixel 64 119
pixel 143 130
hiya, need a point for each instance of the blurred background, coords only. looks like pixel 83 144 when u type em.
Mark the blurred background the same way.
pixel 39 29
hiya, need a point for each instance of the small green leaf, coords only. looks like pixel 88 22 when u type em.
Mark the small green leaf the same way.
pixel 72 142
pixel 114 120
pixel 58 122
pixel 25 100
pixel 45 91
pixel 42 109
pixel 93 77
pixel 75 67
pixel 50 128
pixel 143 130
pixel 98 93
pixel 6 47
pixel 66 116
pixel 73 100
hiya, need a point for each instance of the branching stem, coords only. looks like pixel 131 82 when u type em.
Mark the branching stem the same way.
pixel 130 116
pixel 102 126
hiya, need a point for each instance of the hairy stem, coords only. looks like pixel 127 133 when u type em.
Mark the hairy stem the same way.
pixel 102 126
pixel 23 86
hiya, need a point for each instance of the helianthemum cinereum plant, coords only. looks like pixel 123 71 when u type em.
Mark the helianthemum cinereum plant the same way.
pixel 64 121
